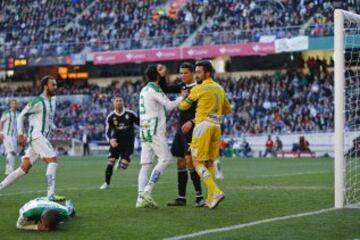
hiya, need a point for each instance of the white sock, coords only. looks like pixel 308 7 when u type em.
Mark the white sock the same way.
pixel 11 162
pixel 7 163
pixel 155 175
pixel 218 167
pixel 50 178
pixel 12 177
pixel 144 176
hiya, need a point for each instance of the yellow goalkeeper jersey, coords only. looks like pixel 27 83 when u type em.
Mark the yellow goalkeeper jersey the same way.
pixel 211 100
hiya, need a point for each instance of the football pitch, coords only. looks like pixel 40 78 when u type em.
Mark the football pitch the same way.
pixel 265 199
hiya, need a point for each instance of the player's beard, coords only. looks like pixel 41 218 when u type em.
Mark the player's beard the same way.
pixel 51 92
pixel 198 81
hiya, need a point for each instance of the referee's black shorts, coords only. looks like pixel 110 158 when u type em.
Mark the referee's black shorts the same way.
pixel 181 144
pixel 123 150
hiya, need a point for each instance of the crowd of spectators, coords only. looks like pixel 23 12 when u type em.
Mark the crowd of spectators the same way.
pixel 36 27
pixel 54 27
pixel 285 102
pixel 282 103
pixel 239 21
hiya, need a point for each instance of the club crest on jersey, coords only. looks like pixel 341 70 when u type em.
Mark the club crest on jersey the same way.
pixel 127 116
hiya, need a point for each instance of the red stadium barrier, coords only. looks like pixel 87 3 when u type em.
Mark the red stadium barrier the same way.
pixel 196 52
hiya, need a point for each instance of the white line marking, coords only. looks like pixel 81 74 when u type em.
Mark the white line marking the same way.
pixel 250 224
pixel 241 187
pixel 280 187
pixel 72 189
pixel 246 188
pixel 293 174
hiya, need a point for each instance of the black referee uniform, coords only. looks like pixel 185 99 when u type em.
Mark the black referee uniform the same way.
pixel 181 142
pixel 181 147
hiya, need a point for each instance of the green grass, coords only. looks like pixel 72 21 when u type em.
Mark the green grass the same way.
pixel 256 189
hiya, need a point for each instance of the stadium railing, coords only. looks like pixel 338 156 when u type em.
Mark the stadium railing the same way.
pixel 168 41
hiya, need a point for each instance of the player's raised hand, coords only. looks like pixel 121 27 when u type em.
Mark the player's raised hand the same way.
pixel 113 142
pixel 161 70
pixel 186 127
pixel 21 140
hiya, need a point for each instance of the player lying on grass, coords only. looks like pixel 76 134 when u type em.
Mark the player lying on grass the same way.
pixel 42 214
pixel 40 112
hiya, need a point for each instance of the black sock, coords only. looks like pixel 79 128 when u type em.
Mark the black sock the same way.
pixel 108 173
pixel 182 181
pixel 196 182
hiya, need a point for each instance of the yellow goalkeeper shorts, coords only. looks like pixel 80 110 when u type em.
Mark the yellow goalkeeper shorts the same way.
pixel 205 141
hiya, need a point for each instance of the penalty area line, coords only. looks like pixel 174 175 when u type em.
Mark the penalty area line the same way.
pixel 250 224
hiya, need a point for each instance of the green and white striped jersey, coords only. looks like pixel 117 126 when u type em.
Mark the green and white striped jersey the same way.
pixel 30 213
pixel 8 118
pixel 33 209
pixel 152 103
pixel 40 111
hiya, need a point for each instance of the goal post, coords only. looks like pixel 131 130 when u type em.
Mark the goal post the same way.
pixel 347 116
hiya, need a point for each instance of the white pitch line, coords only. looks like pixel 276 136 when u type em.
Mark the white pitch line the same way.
pixel 71 189
pixel 94 188
pixel 250 224
pixel 246 188
pixel 280 187
pixel 292 174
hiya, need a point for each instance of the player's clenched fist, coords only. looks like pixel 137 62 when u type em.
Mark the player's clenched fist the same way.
pixel 161 69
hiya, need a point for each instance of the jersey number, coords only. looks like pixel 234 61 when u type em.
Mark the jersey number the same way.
pixel 142 106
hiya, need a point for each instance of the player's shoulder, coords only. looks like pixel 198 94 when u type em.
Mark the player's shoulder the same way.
pixel 110 114
pixel 5 112
pixel 219 87
pixel 35 100
pixel 154 87
pixel 195 88
pixel 127 110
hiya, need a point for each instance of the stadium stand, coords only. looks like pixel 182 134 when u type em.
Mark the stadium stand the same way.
pixel 57 28
pixel 285 102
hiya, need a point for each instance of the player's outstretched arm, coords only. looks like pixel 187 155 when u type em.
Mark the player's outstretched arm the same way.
pixel 169 88
pixel 166 102
pixel 2 121
pixel 188 102
pixel 30 108
pixel 108 128
pixel 23 224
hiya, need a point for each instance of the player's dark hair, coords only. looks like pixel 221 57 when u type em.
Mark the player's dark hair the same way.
pixel 188 66
pixel 117 96
pixel 45 80
pixel 51 218
pixel 152 73
pixel 207 66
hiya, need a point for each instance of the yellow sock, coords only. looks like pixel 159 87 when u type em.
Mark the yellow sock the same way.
pixel 207 178
pixel 212 172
